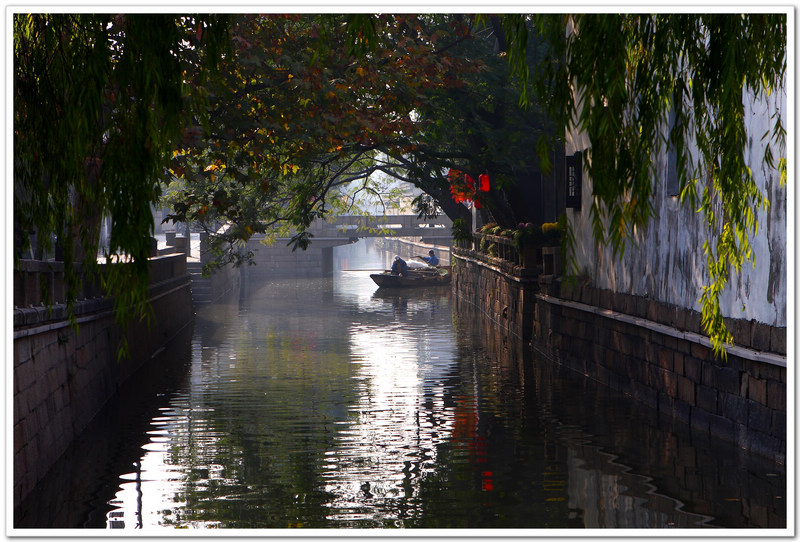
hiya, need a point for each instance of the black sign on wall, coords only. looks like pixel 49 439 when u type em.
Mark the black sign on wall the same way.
pixel 574 178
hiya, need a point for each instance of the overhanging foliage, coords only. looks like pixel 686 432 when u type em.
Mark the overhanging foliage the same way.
pixel 619 77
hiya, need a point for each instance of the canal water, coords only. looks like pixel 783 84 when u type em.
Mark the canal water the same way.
pixel 325 403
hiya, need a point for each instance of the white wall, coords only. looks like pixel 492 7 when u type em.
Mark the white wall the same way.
pixel 668 263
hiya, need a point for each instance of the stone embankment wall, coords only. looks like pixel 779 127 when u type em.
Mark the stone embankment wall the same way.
pixel 63 376
pixel 505 297
pixel 600 491
pixel 220 283
pixel 225 282
pixel 649 350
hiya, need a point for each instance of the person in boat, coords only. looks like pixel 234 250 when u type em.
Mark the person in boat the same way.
pixel 431 258
pixel 399 267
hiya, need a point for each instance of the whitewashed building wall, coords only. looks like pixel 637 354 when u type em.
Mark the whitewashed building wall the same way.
pixel 667 263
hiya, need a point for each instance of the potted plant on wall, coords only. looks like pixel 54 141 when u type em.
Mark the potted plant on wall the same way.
pixel 462 236
pixel 528 241
pixel 551 251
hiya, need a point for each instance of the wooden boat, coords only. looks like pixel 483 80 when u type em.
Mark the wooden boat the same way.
pixel 416 278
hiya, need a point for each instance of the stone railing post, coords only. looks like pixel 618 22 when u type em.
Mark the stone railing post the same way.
pixel 205 248
pixel 181 244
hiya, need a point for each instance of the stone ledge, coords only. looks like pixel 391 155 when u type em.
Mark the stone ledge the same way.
pixel 29 319
pixel 514 272
pixel 747 334
pixel 695 338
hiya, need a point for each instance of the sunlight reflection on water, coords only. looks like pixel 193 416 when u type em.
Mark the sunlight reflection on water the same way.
pixel 399 419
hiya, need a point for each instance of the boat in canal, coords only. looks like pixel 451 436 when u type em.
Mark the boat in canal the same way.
pixel 419 277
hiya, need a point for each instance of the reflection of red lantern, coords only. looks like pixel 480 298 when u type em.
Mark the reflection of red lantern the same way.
pixel 486 481
pixel 483 181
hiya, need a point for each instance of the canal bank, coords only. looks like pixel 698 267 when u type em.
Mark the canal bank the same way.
pixel 63 376
pixel 650 351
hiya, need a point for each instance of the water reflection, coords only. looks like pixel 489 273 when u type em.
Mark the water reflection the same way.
pixel 323 403
pixel 391 439
pixel 613 462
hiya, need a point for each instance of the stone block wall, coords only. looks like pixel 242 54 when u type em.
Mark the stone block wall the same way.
pixel 63 376
pixel 735 492
pixel 505 299
pixel 653 352
pixel 278 260
pixel 225 281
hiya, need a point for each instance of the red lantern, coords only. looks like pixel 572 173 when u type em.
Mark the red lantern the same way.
pixel 483 181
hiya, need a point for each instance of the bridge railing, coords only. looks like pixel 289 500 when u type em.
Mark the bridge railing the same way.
pixel 370 226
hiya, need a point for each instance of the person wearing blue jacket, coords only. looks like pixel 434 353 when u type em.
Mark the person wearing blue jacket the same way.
pixel 399 267
pixel 431 258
